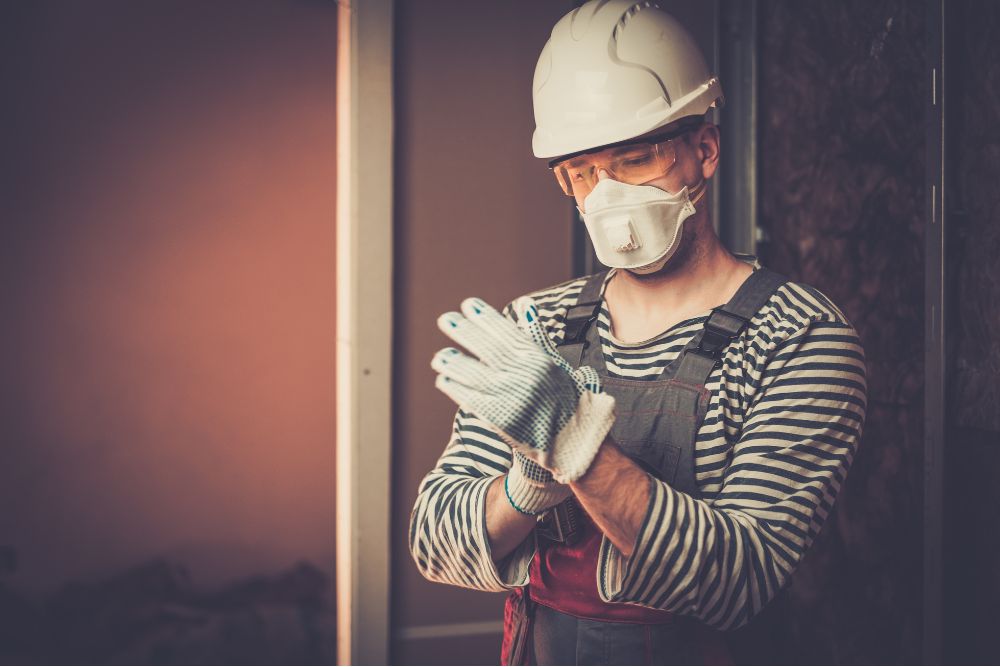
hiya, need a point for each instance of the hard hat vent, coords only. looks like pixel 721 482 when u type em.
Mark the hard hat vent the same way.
pixel 630 12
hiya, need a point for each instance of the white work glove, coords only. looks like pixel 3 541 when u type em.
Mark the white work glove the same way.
pixel 538 405
pixel 530 488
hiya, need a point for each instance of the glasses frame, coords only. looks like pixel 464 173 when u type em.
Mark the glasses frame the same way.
pixel 663 137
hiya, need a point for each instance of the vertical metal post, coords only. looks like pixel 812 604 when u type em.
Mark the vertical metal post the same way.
pixel 935 328
pixel 737 180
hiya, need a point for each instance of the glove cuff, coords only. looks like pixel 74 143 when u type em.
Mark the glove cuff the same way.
pixel 577 443
pixel 530 496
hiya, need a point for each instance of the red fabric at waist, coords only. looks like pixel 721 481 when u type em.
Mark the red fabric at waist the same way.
pixel 565 579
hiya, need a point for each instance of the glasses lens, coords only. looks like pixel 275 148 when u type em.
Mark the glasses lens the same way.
pixel 563 178
pixel 576 176
pixel 634 164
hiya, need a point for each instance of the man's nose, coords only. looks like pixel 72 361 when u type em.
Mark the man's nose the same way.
pixel 601 175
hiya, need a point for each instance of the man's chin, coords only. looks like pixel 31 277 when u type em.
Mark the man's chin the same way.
pixel 650 269
pixel 660 267
pixel 674 260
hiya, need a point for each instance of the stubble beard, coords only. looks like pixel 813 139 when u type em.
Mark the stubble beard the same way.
pixel 688 251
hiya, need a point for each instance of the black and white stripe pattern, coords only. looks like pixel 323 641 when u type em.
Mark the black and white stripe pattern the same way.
pixel 785 417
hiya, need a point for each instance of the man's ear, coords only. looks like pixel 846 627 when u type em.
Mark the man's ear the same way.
pixel 707 149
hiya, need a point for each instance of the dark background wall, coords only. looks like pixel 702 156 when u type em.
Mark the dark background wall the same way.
pixel 972 531
pixel 842 90
pixel 166 278
pixel 843 87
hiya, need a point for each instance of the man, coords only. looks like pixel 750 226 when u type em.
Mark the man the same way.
pixel 641 456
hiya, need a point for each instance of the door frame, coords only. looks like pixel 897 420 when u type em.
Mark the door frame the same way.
pixel 364 328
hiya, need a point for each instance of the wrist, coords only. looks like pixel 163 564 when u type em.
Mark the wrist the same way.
pixel 513 503
pixel 578 442
pixel 531 497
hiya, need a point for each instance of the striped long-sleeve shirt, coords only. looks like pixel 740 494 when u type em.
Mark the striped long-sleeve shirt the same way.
pixel 784 420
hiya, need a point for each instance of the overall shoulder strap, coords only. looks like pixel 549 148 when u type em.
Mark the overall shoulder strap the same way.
pixel 579 317
pixel 704 352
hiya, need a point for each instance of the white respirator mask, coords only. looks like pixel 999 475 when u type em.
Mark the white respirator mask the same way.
pixel 637 227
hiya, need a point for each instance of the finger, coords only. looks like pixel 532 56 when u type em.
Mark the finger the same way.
pixel 506 338
pixel 486 315
pixel 541 338
pixel 530 322
pixel 527 314
pixel 462 368
pixel 587 379
pixel 457 327
pixel 466 398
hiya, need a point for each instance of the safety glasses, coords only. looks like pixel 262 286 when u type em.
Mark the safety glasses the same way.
pixel 633 162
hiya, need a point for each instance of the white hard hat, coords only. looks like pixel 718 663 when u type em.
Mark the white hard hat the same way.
pixel 613 70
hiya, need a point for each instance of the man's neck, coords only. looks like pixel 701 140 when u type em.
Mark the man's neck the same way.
pixel 702 275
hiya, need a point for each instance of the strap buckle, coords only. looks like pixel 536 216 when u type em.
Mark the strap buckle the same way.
pixel 720 330
pixel 576 328
pixel 561 523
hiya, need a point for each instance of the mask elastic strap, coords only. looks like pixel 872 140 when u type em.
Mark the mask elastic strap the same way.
pixel 699 191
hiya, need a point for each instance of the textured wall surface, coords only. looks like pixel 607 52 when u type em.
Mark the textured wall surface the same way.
pixel 841 171
pixel 972 532
pixel 974 243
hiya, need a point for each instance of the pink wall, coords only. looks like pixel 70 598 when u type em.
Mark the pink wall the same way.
pixel 168 287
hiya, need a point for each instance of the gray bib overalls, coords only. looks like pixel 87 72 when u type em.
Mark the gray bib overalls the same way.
pixel 656 425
